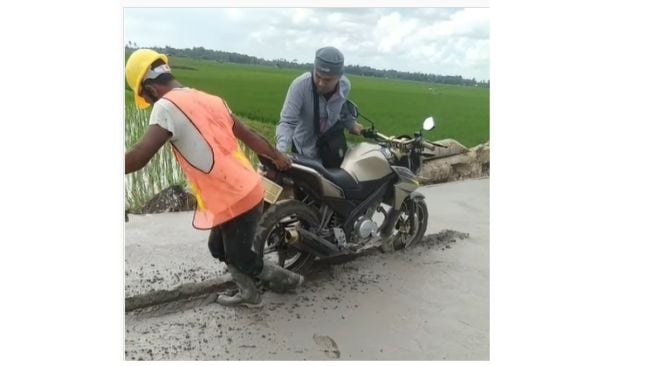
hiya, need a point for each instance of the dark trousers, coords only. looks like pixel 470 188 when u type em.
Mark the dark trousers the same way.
pixel 231 242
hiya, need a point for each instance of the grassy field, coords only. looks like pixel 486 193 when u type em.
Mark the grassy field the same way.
pixel 397 106
pixel 256 94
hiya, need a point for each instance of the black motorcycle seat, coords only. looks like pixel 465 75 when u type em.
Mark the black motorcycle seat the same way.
pixel 336 175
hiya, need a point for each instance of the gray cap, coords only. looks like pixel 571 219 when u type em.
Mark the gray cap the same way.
pixel 329 61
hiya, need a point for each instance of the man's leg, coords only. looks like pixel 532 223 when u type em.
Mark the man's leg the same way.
pixel 243 263
pixel 216 244
pixel 238 236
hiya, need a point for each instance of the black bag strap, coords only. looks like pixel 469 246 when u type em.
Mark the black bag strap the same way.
pixel 316 108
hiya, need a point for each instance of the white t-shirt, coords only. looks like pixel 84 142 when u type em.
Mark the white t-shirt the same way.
pixel 185 136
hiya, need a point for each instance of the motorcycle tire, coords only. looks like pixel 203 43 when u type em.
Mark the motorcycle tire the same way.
pixel 271 228
pixel 402 240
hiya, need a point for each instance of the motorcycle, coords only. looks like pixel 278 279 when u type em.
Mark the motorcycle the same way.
pixel 373 195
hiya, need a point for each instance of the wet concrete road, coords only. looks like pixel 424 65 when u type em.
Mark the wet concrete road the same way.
pixel 429 302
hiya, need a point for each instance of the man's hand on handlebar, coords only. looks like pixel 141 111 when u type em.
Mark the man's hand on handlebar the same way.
pixel 368 133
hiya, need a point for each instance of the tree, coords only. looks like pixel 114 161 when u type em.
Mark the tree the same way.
pixel 221 56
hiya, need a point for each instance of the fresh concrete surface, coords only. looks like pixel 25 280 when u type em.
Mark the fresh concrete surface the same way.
pixel 428 302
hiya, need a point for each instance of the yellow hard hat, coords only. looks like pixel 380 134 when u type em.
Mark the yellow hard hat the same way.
pixel 138 64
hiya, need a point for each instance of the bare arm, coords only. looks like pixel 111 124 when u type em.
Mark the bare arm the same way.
pixel 144 150
pixel 259 144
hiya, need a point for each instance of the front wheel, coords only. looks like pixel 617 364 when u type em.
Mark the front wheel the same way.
pixel 411 224
pixel 270 235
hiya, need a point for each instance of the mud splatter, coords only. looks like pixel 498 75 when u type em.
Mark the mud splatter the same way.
pixel 328 345
pixel 443 239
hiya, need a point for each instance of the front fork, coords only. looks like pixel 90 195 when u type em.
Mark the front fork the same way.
pixel 395 211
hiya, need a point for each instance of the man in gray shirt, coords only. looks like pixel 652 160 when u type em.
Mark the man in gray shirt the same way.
pixel 296 130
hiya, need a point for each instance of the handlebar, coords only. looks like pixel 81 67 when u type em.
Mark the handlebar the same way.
pixel 368 133
pixel 428 145
pixel 398 143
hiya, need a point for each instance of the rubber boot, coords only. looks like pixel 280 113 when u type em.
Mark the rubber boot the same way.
pixel 246 296
pixel 279 279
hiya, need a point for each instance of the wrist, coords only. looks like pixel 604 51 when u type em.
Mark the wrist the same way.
pixel 277 154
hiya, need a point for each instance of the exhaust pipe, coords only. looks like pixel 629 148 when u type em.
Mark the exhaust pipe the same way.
pixel 311 243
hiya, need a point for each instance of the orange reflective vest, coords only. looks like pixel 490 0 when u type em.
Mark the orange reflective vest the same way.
pixel 231 187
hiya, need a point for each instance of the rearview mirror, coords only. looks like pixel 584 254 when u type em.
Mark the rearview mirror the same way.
pixel 351 108
pixel 428 124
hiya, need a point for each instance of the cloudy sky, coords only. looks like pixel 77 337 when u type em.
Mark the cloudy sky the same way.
pixel 446 41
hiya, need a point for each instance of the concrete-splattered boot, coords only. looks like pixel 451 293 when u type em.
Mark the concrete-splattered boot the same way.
pixel 279 279
pixel 248 294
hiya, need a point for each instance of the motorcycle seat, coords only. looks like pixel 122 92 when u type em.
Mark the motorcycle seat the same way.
pixel 336 175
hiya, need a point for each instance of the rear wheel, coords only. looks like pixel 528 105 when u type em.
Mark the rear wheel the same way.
pixel 270 235
pixel 410 228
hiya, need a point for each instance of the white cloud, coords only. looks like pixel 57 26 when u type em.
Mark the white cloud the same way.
pixel 472 23
pixel 335 18
pixel 432 40
pixel 303 17
pixel 391 30
pixel 235 14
